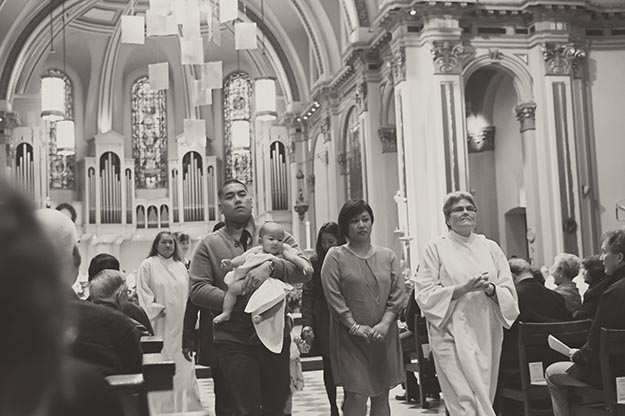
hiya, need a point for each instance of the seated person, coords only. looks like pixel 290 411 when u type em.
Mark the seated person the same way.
pixel 598 282
pixel 108 288
pixel 585 369
pixel 408 343
pixel 536 304
pixel 538 275
pixel 104 261
pixel 271 239
pixel 565 268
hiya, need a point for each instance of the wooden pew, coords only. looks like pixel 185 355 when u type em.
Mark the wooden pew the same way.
pixel 165 403
pixel 533 348
pixel 151 345
pixel 428 382
pixel 612 357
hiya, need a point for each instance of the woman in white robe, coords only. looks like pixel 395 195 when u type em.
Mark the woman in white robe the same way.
pixel 163 290
pixel 467 295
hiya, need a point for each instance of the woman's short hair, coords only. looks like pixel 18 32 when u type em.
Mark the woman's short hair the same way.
pixel 105 285
pixel 594 267
pixel 616 241
pixel 568 263
pixel 157 239
pixel 327 228
pixel 351 209
pixel 101 262
pixel 454 197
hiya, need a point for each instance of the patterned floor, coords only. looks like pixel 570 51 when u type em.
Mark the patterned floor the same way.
pixel 312 401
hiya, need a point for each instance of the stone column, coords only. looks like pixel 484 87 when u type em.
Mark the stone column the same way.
pixel 8 121
pixel 526 115
pixel 296 151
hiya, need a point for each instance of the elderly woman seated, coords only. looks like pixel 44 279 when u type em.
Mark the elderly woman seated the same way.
pixel 108 288
pixel 565 268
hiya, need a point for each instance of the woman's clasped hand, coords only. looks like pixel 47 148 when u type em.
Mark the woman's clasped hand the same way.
pixel 371 334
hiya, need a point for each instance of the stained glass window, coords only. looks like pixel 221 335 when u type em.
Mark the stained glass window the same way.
pixel 237 107
pixel 62 173
pixel 149 135
pixel 354 158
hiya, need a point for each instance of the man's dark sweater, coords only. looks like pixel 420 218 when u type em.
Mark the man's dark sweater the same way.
pixel 105 338
pixel 588 310
pixel 536 304
pixel 137 313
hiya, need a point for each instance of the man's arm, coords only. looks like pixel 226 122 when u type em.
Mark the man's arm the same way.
pixel 287 271
pixel 202 289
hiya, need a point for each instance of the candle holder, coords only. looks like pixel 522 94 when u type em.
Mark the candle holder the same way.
pixel 301 206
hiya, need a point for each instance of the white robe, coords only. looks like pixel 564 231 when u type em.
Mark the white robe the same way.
pixel 466 333
pixel 164 284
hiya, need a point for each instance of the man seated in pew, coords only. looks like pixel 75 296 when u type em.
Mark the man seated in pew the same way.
pixel 564 269
pixel 37 376
pixel 102 336
pixel 108 288
pixel 583 369
pixel 598 282
pixel 132 309
pixel 536 304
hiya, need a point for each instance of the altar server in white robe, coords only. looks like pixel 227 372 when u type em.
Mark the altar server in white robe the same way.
pixel 163 290
pixel 466 293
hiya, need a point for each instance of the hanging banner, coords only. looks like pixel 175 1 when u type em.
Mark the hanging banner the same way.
pixel 244 35
pixel 161 7
pixel 228 10
pixel 201 96
pixel 157 25
pixel 192 51
pixel 212 75
pixel 191 20
pixel 159 76
pixel 194 131
pixel 133 30
pixel 214 31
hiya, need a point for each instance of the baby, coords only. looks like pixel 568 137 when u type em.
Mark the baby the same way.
pixel 271 239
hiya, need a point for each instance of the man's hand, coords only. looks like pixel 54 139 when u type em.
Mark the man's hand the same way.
pixel 188 354
pixel 378 332
pixel 307 334
pixel 256 277
pixel 225 263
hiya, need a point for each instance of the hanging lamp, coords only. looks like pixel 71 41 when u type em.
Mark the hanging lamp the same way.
pixel 52 87
pixel 65 129
pixel 265 94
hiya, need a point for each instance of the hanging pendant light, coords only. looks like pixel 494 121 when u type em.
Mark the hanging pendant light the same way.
pixel 240 134
pixel 65 137
pixel 265 92
pixel 52 88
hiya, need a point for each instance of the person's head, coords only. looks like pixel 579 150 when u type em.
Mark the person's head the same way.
pixel 33 309
pixel 165 245
pixel 565 268
pixel 327 237
pixel 538 275
pixel 613 251
pixel 235 202
pixel 60 229
pixel 460 212
pixel 593 269
pixel 271 237
pixel 109 288
pixel 355 221
pixel 68 210
pixel 219 226
pixel 101 262
pixel 520 269
pixel 184 242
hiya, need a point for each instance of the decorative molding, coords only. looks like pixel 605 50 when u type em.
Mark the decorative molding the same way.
pixel 398 65
pixel 363 13
pixel 342 159
pixel 361 97
pixel 563 59
pixel 482 141
pixel 8 121
pixel 310 182
pixel 526 115
pixel 388 137
pixel 495 54
pixel 291 148
pixel 325 130
pixel 448 56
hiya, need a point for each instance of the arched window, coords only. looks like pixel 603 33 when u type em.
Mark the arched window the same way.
pixel 149 135
pixel 237 115
pixel 353 156
pixel 62 167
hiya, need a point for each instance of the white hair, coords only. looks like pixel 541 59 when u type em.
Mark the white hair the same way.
pixel 62 232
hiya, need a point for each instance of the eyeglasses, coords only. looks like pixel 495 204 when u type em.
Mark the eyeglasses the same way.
pixel 468 208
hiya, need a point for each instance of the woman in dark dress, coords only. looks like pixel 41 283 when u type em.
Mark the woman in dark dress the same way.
pixel 315 315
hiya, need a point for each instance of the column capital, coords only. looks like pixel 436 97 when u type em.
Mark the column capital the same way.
pixel 8 121
pixel 563 59
pixel 325 129
pixel 526 115
pixel 448 56
pixel 481 141
pixel 361 97
pixel 397 61
pixel 310 182
pixel 388 137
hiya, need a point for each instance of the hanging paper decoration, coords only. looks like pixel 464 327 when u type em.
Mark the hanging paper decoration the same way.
pixel 201 96
pixel 214 30
pixel 212 75
pixel 133 30
pixel 228 10
pixel 161 7
pixel 159 76
pixel 191 20
pixel 192 51
pixel 194 131
pixel 206 11
pixel 157 25
pixel 244 35
pixel 180 10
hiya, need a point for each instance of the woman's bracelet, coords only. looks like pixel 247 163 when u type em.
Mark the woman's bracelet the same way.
pixel 355 327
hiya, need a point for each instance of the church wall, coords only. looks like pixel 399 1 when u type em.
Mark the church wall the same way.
pixel 607 80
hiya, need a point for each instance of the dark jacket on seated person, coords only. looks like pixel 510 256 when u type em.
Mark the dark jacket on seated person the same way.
pixel 611 315
pixel 536 304
pixel 106 339
pixel 592 296
pixel 137 313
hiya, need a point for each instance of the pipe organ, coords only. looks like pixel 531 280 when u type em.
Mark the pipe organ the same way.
pixel 27 166
pixel 278 173
pixel 192 189
pixel 110 189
